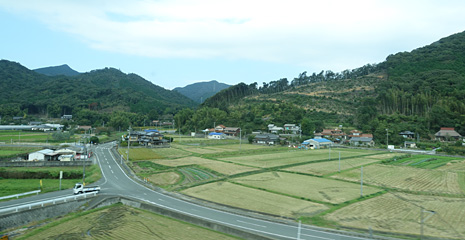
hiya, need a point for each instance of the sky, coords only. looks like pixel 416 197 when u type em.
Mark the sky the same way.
pixel 179 42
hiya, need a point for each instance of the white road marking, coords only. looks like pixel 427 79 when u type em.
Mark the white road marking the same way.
pixel 112 171
pixel 251 224
pixel 313 236
pixel 161 199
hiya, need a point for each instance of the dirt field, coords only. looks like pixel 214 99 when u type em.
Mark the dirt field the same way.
pixel 255 200
pixel 122 222
pixel 314 188
pixel 407 178
pixel 221 167
pixel 390 213
pixel 164 179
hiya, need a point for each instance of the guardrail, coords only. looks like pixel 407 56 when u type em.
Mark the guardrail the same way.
pixel 20 194
pixel 48 202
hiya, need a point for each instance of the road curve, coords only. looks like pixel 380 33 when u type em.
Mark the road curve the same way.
pixel 116 182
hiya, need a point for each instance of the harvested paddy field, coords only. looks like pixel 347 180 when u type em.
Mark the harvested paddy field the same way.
pixel 164 179
pixel 123 222
pixel 407 178
pixel 294 156
pixel 217 166
pixel 400 213
pixel 323 168
pixel 211 149
pixel 314 188
pixel 256 200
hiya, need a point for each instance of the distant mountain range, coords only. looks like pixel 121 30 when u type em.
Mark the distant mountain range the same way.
pixel 200 91
pixel 57 70
pixel 99 91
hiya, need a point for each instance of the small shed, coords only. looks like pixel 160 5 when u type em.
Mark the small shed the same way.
pixel 42 155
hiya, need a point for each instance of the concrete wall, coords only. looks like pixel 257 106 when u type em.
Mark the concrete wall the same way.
pixel 36 214
pixel 45 164
pixel 195 220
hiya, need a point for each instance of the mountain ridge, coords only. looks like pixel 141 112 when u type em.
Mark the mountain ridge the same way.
pixel 58 70
pixel 200 91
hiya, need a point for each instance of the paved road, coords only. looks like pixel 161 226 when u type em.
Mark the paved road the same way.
pixel 116 182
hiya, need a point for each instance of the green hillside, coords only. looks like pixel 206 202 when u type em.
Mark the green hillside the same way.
pixel 200 91
pixel 57 70
pixel 87 95
pixel 418 91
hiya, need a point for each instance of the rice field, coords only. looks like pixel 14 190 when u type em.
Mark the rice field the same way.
pixel 400 213
pixel 293 156
pixel 406 178
pixel 123 222
pixel 138 154
pixel 165 178
pixel 314 188
pixel 255 200
pixel 323 168
pixel 217 166
pixel 212 149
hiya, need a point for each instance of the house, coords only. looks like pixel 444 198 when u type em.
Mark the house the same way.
pixel 66 158
pixel 220 128
pixel 407 134
pixel 147 138
pixel 216 135
pixel 85 128
pixel 409 144
pixel 266 139
pixel 276 129
pixel 42 155
pixel 317 143
pixel 67 117
pixel 354 133
pixel 291 128
pixel 447 134
pixel 232 131
pixel 362 141
pixel 334 133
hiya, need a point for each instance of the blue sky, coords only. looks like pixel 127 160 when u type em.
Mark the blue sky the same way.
pixel 178 42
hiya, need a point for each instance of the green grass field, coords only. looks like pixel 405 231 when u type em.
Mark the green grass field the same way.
pixel 423 161
pixel 15 186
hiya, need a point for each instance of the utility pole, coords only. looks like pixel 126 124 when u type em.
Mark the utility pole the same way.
pixel 299 230
pixel 339 161
pixel 129 143
pixel 387 138
pixel 361 182
pixel 240 139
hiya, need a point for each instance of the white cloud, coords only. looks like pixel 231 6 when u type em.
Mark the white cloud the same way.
pixel 317 33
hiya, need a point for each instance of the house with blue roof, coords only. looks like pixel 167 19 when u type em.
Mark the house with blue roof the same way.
pixel 317 143
pixel 216 135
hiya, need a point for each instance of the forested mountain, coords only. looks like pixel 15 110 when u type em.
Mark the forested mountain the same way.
pixel 89 97
pixel 200 91
pixel 57 70
pixel 418 91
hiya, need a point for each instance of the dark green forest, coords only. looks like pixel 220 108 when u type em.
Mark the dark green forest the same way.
pixel 92 98
pixel 418 91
